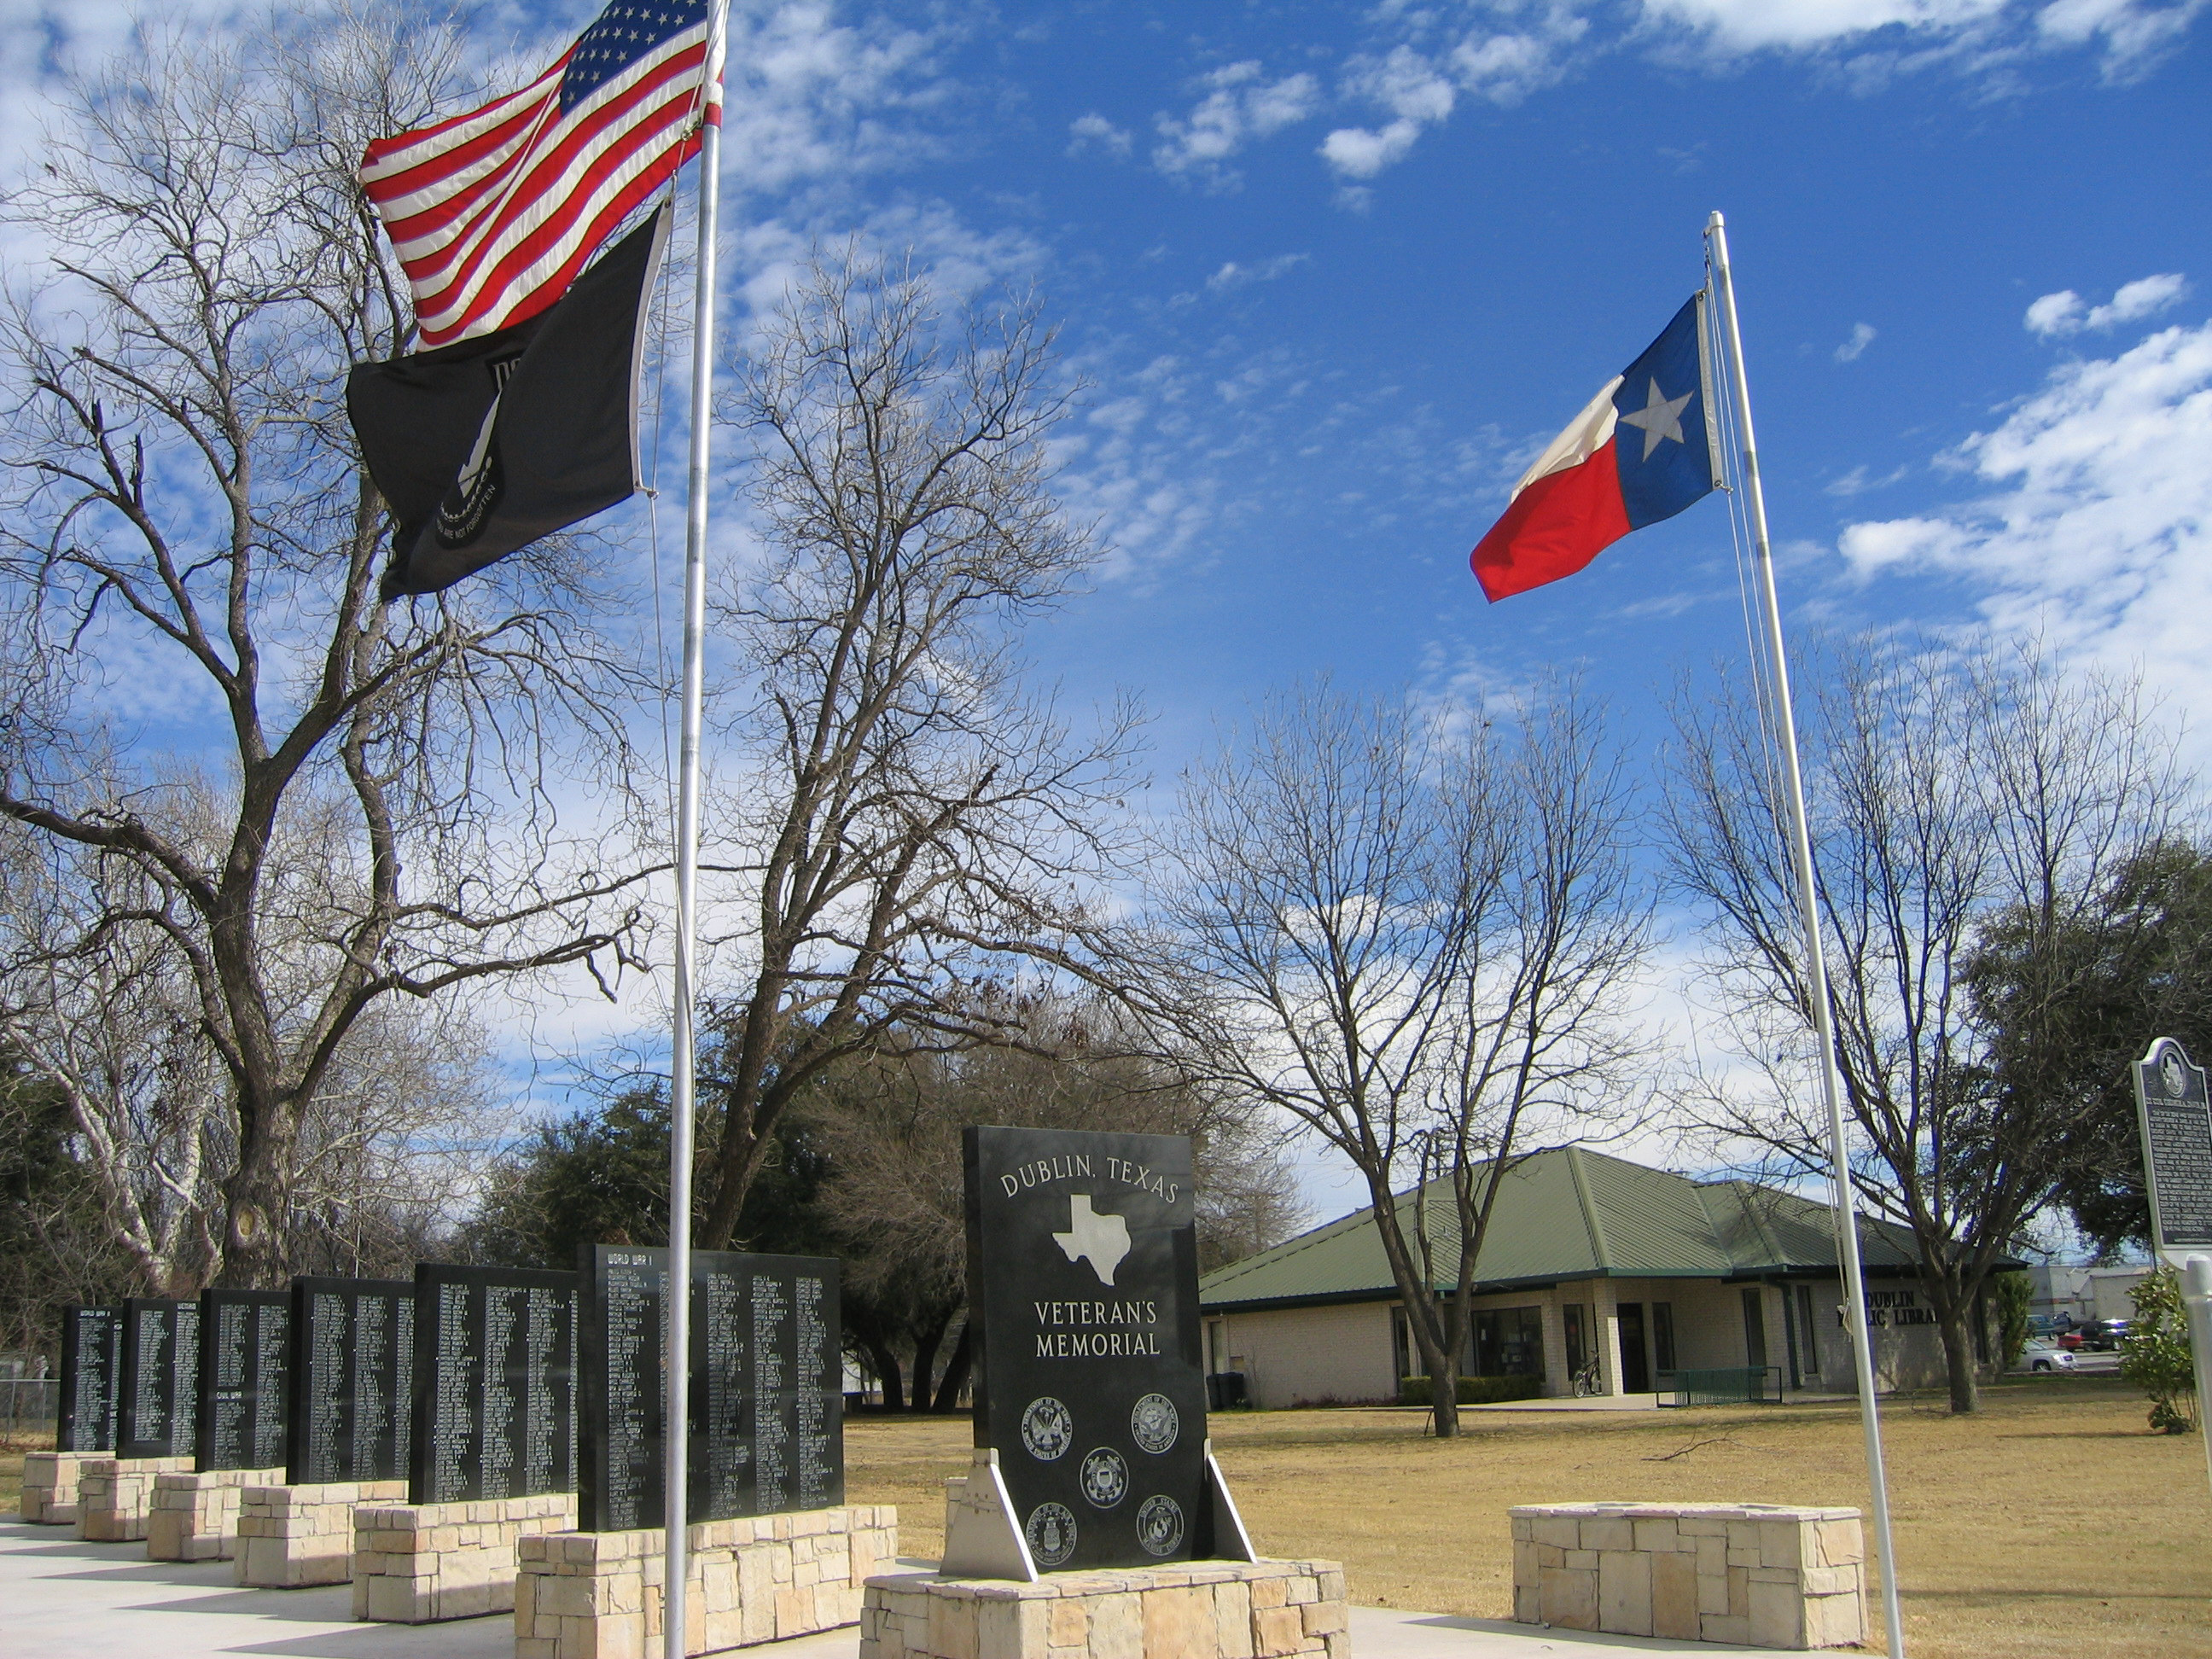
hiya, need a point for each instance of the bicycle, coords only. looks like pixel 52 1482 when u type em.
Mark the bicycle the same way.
pixel 1588 1383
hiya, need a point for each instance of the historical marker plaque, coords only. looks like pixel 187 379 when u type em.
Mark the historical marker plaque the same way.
pixel 243 1350
pixel 2175 1118
pixel 494 1383
pixel 158 1388
pixel 1083 1267
pixel 766 1411
pixel 92 1358
pixel 350 1381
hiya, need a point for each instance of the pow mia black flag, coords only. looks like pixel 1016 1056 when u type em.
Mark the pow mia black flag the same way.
pixel 483 446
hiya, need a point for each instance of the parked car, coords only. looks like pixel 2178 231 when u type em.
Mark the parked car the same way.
pixel 2050 1325
pixel 2103 1335
pixel 2041 1354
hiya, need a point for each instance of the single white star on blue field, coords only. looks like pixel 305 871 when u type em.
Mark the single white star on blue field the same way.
pixel 1661 417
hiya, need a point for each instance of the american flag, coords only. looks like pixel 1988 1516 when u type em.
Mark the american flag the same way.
pixel 493 213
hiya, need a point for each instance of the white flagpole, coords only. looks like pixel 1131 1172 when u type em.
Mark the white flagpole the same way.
pixel 1816 971
pixel 676 1438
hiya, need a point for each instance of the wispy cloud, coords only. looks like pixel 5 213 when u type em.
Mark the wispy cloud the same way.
pixel 1087 132
pixel 1233 275
pixel 1863 336
pixel 2065 312
pixel 1240 104
pixel 2098 531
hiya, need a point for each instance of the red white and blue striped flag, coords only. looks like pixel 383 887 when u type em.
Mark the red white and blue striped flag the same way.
pixel 493 213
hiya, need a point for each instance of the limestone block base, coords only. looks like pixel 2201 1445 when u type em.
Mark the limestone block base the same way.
pixel 195 1515
pixel 1757 1575
pixel 1192 1610
pixel 415 1563
pixel 291 1536
pixel 115 1495
pixel 49 1486
pixel 764 1578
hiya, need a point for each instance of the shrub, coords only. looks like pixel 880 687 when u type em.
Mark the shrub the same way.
pixel 2015 1295
pixel 2154 1354
pixel 1473 1390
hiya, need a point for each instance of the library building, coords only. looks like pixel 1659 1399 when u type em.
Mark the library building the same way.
pixel 1596 1277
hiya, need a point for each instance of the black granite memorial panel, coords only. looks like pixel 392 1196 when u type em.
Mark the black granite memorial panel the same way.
pixel 243 1359
pixel 767 1410
pixel 2175 1118
pixel 158 1388
pixel 494 1383
pixel 349 1380
pixel 92 1358
pixel 1083 1269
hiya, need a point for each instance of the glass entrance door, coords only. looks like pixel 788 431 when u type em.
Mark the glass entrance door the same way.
pixel 1634 1359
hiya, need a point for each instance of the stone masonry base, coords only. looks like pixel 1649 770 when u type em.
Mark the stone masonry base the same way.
pixel 1757 1575
pixel 195 1515
pixel 49 1486
pixel 290 1536
pixel 1192 1610
pixel 115 1495
pixel 415 1563
pixel 596 1595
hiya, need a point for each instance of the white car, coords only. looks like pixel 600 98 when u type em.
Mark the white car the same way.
pixel 2041 1356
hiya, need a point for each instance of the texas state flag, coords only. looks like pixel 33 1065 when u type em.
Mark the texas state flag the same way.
pixel 1644 450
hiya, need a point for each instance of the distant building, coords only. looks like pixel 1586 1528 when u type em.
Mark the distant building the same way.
pixel 2081 1293
pixel 1587 1257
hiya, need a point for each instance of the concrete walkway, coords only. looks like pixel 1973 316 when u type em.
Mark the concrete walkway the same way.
pixel 62 1598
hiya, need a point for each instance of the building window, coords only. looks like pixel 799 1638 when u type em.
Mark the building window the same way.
pixel 1811 1346
pixel 1401 1330
pixel 1575 1316
pixel 1507 1342
pixel 1662 1336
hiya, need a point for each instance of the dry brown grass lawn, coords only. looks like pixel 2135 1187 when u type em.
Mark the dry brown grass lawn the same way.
pixel 2053 1524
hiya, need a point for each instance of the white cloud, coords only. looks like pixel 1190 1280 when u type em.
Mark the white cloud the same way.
pixel 1241 104
pixel 2135 35
pixel 1418 90
pixel 1086 130
pixel 1863 336
pixel 1747 25
pixel 2097 531
pixel 2063 312
pixel 1233 275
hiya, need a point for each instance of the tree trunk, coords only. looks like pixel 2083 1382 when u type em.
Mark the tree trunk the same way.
pixel 255 1200
pixel 1959 1363
pixel 956 1369
pixel 927 1337
pixel 887 1373
pixel 1443 1378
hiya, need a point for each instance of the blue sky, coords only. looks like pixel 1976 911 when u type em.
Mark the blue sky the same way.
pixel 1335 274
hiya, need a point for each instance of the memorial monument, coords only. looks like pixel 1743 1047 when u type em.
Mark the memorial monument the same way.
pixel 1093 1516
pixel 494 1446
pixel 775 1551
pixel 85 1414
pixel 156 1380
pixel 349 1385
pixel 238 1435
pixel 160 1379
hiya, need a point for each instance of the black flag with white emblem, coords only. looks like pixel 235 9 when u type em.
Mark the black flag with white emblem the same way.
pixel 483 446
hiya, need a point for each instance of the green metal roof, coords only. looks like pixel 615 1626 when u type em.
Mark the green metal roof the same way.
pixel 1570 1213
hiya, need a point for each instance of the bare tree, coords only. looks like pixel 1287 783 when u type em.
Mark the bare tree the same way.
pixel 188 545
pixel 886 1134
pixel 1417 939
pixel 909 817
pixel 1947 791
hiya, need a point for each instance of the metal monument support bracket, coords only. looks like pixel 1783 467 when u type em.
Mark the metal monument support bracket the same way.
pixel 1231 1542
pixel 981 1539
